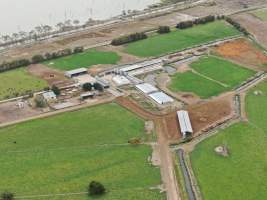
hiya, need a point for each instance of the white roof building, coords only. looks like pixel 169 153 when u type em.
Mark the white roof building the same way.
pixel 120 80
pixel 76 72
pixel 146 88
pixel 185 123
pixel 161 98
pixel 48 96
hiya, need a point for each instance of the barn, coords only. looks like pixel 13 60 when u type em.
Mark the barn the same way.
pixel 146 88
pixel 161 98
pixel 76 72
pixel 185 123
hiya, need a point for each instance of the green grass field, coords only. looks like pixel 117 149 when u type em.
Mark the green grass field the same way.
pixel 215 77
pixel 191 82
pixel 17 82
pixel 85 59
pixel 262 14
pixel 62 154
pixel 242 175
pixel 180 39
pixel 222 70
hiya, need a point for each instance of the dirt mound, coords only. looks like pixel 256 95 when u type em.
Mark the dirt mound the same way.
pixel 242 51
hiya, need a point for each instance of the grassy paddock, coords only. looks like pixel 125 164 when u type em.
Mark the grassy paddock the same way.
pixel 62 154
pixel 180 39
pixel 222 70
pixel 242 175
pixel 17 82
pixel 86 59
pixel 191 82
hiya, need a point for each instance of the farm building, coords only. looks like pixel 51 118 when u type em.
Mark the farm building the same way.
pixel 146 88
pixel 161 98
pixel 76 72
pixel 87 95
pixel 104 83
pixel 185 123
pixel 49 96
pixel 120 80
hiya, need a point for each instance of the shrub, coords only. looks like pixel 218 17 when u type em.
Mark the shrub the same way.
pixel 7 196
pixel 96 189
pixel 40 102
pixel 78 50
pixel 98 87
pixel 164 29
pixel 184 25
pixel 56 90
pixel 87 87
pixel 37 59
pixel 128 38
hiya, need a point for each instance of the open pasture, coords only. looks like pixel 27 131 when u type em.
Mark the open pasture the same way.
pixel 86 59
pixel 180 39
pixel 241 175
pixel 17 82
pixel 63 153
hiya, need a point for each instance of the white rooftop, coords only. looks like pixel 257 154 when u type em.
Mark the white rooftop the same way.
pixel 130 68
pixel 146 88
pixel 184 121
pixel 161 98
pixel 49 95
pixel 121 80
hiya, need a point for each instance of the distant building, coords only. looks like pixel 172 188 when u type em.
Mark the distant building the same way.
pixel 87 95
pixel 185 123
pixel 146 88
pixel 76 72
pixel 104 83
pixel 120 80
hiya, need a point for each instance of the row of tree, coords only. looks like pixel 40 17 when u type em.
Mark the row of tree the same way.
pixel 128 38
pixel 237 25
pixel 202 20
pixel 90 87
pixel 5 66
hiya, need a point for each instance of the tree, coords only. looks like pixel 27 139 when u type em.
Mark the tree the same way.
pixel 87 87
pixel 40 102
pixel 164 29
pixel 98 87
pixel 7 196
pixel 56 90
pixel 96 188
pixel 37 59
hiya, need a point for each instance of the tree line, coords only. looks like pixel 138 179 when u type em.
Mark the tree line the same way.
pixel 5 66
pixel 202 20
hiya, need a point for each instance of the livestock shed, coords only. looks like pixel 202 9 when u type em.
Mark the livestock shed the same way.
pixel 103 82
pixel 76 72
pixel 146 88
pixel 87 95
pixel 161 98
pixel 185 123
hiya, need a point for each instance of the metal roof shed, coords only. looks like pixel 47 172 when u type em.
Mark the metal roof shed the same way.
pixel 146 88
pixel 185 123
pixel 161 98
pixel 76 72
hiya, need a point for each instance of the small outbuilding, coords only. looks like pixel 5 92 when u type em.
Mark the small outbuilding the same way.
pixel 87 95
pixel 121 80
pixel 185 123
pixel 161 98
pixel 49 96
pixel 76 72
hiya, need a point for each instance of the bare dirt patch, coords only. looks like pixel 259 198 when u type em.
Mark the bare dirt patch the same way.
pixel 11 112
pixel 52 76
pixel 242 51
pixel 208 114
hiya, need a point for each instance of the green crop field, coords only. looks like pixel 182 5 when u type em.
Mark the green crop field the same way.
pixel 85 59
pixel 262 14
pixel 180 39
pixel 63 153
pixel 242 175
pixel 191 82
pixel 211 77
pixel 222 70
pixel 18 82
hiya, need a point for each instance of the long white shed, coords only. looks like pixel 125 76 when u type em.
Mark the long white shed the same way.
pixel 185 123
pixel 146 88
pixel 161 98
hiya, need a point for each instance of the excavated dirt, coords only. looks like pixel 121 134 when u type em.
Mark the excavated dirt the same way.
pixel 243 51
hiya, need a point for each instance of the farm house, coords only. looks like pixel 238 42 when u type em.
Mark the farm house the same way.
pixel 185 123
